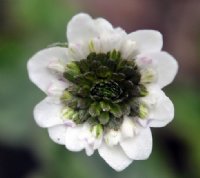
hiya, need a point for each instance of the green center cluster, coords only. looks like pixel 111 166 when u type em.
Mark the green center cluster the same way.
pixel 104 88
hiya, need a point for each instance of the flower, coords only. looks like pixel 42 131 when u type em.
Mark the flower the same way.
pixel 104 91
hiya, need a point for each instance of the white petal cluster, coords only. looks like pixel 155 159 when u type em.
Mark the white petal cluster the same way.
pixel 133 141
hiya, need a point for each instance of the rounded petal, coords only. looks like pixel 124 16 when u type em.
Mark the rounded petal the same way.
pixel 165 66
pixel 58 133
pixel 90 140
pixel 109 42
pixel 72 140
pixel 112 137
pixel 128 49
pixel 114 157
pixel 128 127
pixel 138 147
pixel 56 89
pixel 47 113
pixel 147 40
pixel 83 28
pixel 161 109
pixel 79 50
pixel 38 70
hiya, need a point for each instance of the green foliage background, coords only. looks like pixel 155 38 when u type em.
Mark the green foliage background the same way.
pixel 29 26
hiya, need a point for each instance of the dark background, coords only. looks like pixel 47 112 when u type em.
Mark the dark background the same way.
pixel 27 26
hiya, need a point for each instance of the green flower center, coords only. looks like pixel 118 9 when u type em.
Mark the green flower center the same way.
pixel 104 88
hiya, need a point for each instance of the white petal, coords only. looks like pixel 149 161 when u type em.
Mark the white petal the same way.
pixel 57 88
pixel 127 128
pixel 72 140
pixel 161 109
pixel 114 157
pixel 47 113
pixel 128 49
pixel 90 140
pixel 147 40
pixel 112 137
pixel 89 150
pixel 38 66
pixel 165 66
pixel 138 147
pixel 107 42
pixel 83 28
pixel 79 50
pixel 58 133
pixel 111 42
pixel 57 66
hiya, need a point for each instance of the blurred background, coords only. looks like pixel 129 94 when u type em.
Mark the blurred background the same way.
pixel 27 26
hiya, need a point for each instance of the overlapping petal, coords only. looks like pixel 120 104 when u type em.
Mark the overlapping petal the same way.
pixel 90 140
pixel 164 65
pixel 38 70
pixel 47 113
pixel 139 146
pixel 114 156
pixel 147 40
pixel 128 128
pixel 58 133
pixel 83 28
pixel 161 109
pixel 73 141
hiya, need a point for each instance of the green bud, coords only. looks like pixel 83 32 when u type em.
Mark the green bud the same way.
pixel 114 123
pixel 97 130
pixel 83 91
pixel 104 118
pixel 118 76
pixel 148 75
pixel 94 109
pixel 128 85
pixel 83 65
pixel 71 71
pixel 115 55
pixel 143 111
pixel 135 78
pixel 73 67
pixel 89 76
pixel 67 113
pixel 91 56
pixel 73 103
pixel 128 71
pixel 143 90
pixel 126 109
pixel 91 46
pixel 104 106
pixel 100 57
pixel 83 103
pixel 75 116
pixel 82 114
pixel 72 89
pixel 66 96
pixel 68 76
pixel 116 110
pixel 92 121
pixel 94 65
pixel 80 80
pixel 109 63
pixel 134 106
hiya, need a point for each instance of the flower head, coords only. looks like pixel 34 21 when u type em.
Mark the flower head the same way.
pixel 104 91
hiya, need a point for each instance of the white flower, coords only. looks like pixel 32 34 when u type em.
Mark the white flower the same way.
pixel 104 91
